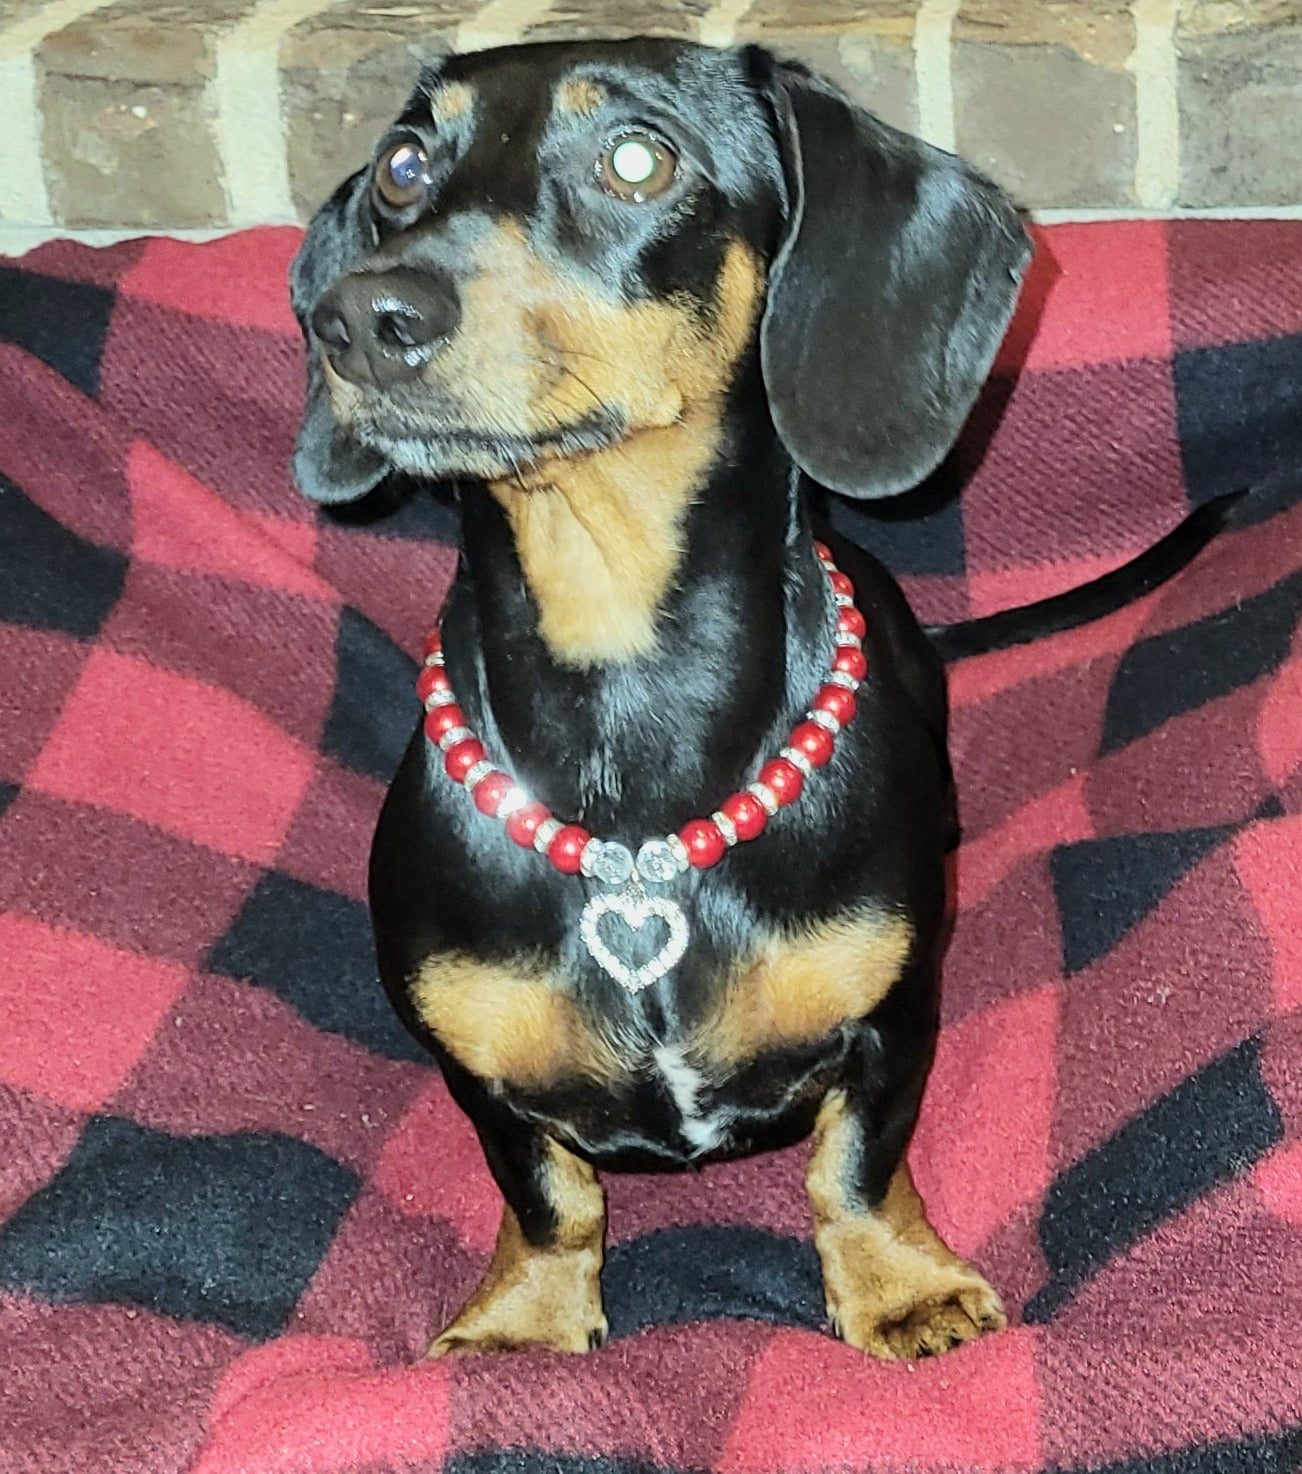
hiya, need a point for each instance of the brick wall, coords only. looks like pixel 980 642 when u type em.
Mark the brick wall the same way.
pixel 175 114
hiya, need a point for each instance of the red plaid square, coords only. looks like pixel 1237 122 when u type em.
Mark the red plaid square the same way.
pixel 1086 306
pixel 1269 862
pixel 181 523
pixel 78 1013
pixel 813 1403
pixel 981 1149
pixel 239 279
pixel 188 757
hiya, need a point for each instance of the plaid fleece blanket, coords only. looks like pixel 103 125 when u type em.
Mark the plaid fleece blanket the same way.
pixel 235 1199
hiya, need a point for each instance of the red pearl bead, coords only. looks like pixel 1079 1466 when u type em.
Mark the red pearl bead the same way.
pixel 523 824
pixel 840 583
pixel 440 721
pixel 814 741
pixel 433 643
pixel 462 756
pixel 851 622
pixel 703 842
pixel 748 815
pixel 490 791
pixel 837 702
pixel 823 551
pixel 567 847
pixel 432 678
pixel 850 660
pixel 783 779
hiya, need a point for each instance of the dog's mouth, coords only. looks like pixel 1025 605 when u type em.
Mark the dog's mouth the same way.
pixel 435 440
pixel 483 450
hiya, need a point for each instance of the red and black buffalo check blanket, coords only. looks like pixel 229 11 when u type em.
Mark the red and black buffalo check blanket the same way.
pixel 234 1198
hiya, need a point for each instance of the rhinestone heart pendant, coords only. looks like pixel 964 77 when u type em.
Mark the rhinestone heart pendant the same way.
pixel 635 909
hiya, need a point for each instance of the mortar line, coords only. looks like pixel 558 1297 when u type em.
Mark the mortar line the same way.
pixel 718 26
pixel 499 23
pixel 250 127
pixel 1157 103
pixel 933 71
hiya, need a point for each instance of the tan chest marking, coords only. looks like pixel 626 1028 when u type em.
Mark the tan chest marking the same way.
pixel 803 986
pixel 507 1024
pixel 600 534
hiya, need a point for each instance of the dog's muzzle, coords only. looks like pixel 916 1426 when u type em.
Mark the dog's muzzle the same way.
pixel 379 329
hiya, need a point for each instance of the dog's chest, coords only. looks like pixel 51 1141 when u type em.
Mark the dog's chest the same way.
pixel 703 1121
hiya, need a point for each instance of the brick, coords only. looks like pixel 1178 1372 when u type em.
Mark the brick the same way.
pixel 1240 77
pixel 128 132
pixel 344 76
pixel 866 49
pixel 1043 101
pixel 123 153
pixel 149 41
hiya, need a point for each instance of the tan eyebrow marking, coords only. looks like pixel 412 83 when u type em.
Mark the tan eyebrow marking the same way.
pixel 580 95
pixel 451 101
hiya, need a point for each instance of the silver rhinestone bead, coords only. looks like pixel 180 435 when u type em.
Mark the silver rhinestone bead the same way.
pixel 846 639
pixel 798 759
pixel 826 720
pixel 435 659
pixel 656 861
pixel 766 796
pixel 545 833
pixel 453 735
pixel 514 798
pixel 842 678
pixel 679 851
pixel 612 863
pixel 843 601
pixel 481 770
pixel 439 698
pixel 726 827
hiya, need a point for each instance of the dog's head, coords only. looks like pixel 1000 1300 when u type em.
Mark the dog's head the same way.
pixel 558 248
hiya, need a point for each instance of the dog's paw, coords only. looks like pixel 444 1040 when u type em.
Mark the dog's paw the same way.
pixel 472 1335
pixel 899 1321
pixel 547 1300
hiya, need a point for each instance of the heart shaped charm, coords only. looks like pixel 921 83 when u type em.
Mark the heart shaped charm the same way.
pixel 635 909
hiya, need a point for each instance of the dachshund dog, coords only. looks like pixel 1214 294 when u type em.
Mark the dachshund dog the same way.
pixel 634 300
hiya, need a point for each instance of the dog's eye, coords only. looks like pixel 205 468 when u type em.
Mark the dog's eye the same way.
pixel 403 175
pixel 636 167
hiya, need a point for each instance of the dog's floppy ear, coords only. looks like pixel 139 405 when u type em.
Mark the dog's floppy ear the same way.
pixel 888 295
pixel 328 465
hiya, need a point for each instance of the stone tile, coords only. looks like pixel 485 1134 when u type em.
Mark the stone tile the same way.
pixel 129 154
pixel 344 76
pixel 865 48
pixel 1043 100
pixel 1240 90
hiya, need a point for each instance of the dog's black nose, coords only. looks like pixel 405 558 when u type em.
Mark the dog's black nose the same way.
pixel 380 328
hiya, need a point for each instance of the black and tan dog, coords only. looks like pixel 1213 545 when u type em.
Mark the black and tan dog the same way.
pixel 633 298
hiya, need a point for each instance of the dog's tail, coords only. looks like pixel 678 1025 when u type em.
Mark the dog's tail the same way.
pixel 1094 599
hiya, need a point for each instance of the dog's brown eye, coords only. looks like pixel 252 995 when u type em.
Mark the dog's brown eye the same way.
pixel 636 167
pixel 403 175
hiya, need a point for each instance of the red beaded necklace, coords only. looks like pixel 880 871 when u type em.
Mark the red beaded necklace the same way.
pixel 700 842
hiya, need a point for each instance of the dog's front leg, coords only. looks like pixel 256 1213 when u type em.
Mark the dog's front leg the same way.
pixel 892 1285
pixel 543 1286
